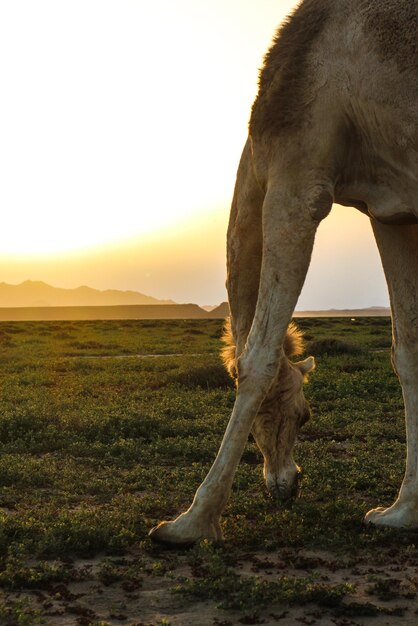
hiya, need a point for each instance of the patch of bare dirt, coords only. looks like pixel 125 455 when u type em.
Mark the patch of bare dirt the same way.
pixel 151 601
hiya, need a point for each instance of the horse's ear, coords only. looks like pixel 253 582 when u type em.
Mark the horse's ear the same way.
pixel 306 366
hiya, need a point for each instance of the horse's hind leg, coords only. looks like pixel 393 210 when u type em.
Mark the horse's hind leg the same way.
pixel 398 246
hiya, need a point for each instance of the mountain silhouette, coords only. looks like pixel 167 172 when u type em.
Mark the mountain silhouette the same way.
pixel 39 294
pixel 219 311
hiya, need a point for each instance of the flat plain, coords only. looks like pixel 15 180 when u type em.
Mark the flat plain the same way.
pixel 108 427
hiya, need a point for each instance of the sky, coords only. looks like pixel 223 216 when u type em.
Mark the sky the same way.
pixel 121 127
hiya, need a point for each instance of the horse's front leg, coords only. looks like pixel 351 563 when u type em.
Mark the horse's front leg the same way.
pixel 288 236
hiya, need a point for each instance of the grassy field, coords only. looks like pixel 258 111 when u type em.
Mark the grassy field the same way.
pixel 108 427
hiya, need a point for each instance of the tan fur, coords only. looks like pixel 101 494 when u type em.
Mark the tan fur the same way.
pixel 228 352
pixel 293 345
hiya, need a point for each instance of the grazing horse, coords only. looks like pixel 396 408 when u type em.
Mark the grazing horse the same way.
pixel 335 120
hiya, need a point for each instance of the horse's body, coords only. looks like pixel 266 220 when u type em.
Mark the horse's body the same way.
pixel 335 120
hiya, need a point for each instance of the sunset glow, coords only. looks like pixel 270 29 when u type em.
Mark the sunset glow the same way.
pixel 122 118
pixel 122 124
pixel 49 233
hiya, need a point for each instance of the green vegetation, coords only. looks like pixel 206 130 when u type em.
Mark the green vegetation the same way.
pixel 94 451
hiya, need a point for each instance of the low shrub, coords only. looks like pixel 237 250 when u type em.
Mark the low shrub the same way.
pixel 332 347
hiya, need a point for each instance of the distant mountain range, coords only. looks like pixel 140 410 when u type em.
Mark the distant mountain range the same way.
pixel 38 294
pixel 374 311
pixel 35 300
pixel 371 311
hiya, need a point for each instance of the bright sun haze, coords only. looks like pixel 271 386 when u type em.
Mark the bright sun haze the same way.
pixel 121 129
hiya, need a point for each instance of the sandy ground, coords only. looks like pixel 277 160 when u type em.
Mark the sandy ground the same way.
pixel 152 601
